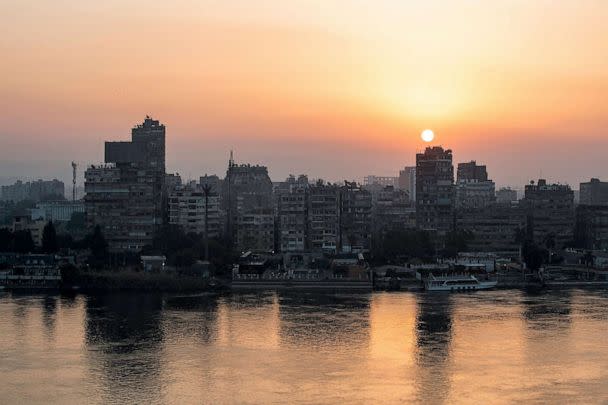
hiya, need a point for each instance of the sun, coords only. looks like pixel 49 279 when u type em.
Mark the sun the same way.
pixel 427 135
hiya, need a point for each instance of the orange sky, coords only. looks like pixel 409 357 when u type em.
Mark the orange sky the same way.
pixel 333 88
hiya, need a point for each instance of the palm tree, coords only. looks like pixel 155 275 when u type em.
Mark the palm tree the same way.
pixel 207 188
pixel 550 244
pixel 520 237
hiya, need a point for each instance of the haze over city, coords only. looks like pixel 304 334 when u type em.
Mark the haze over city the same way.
pixel 336 89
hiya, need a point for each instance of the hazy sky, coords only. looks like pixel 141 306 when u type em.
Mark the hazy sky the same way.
pixel 332 88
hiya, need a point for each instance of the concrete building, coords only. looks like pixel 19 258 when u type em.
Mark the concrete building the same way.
pixel 57 211
pixel 407 181
pixel 213 181
pixel 172 180
pixel 34 191
pixel 550 212
pixel 471 171
pixel 256 230
pixel 323 217
pixel 506 195
pixel 187 210
pixel 355 218
pixel 246 194
pixel 591 230
pixel 435 190
pixel 34 227
pixel 471 194
pixel 392 210
pixel 594 192
pixel 126 196
pixel 382 181
pixel 292 209
pixel 494 228
pixel 473 189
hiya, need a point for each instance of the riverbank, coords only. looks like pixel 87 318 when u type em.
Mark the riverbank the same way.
pixel 124 280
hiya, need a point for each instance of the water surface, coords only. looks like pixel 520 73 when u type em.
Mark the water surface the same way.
pixel 305 348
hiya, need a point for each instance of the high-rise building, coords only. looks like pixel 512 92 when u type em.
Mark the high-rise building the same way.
pixel 550 212
pixel 392 210
pixel 255 230
pixel 355 218
pixel 292 214
pixel 473 189
pixel 407 181
pixel 594 192
pixel 323 217
pixel 126 196
pixel 247 199
pixel 435 190
pixel 187 209
pixel 591 230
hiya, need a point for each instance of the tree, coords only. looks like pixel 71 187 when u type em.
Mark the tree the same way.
pixel 402 244
pixel 23 242
pixel 207 188
pixel 49 238
pixel 550 244
pixel 6 240
pixel 457 241
pixel 588 259
pixel 99 247
pixel 533 255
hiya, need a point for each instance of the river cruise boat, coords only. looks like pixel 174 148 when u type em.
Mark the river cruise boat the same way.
pixel 457 282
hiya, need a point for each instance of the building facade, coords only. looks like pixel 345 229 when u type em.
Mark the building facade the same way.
pixel 34 191
pixel 57 211
pixel 126 196
pixel 591 231
pixel 407 181
pixel 506 195
pixel 473 189
pixel 256 230
pixel 550 212
pixel 594 192
pixel 355 218
pixel 435 190
pixel 188 209
pixel 292 215
pixel 494 228
pixel 323 217
pixel 247 199
pixel 392 210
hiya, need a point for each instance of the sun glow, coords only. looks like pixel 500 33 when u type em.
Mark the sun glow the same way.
pixel 427 135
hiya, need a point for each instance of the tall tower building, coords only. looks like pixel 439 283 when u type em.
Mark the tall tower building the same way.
pixel 126 196
pixel 435 190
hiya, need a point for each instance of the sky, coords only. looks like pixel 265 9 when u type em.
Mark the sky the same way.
pixel 332 88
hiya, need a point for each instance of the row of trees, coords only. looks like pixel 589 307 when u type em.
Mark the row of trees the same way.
pixel 406 244
pixel 184 249
pixel 22 242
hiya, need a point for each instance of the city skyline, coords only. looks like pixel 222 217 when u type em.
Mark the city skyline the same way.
pixel 335 90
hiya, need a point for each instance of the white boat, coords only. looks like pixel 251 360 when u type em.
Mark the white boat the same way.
pixel 457 282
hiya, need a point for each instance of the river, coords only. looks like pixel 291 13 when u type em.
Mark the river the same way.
pixel 305 348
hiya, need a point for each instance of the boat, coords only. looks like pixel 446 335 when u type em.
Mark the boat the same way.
pixel 457 282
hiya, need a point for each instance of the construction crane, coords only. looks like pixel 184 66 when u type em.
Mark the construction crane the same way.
pixel 74 165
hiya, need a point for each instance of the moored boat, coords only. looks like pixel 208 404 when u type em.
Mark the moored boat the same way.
pixel 457 282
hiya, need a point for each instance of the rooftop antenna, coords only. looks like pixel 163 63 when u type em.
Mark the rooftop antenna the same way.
pixel 74 181
pixel 231 161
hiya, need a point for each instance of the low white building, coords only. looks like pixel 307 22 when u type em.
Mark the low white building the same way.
pixel 56 211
